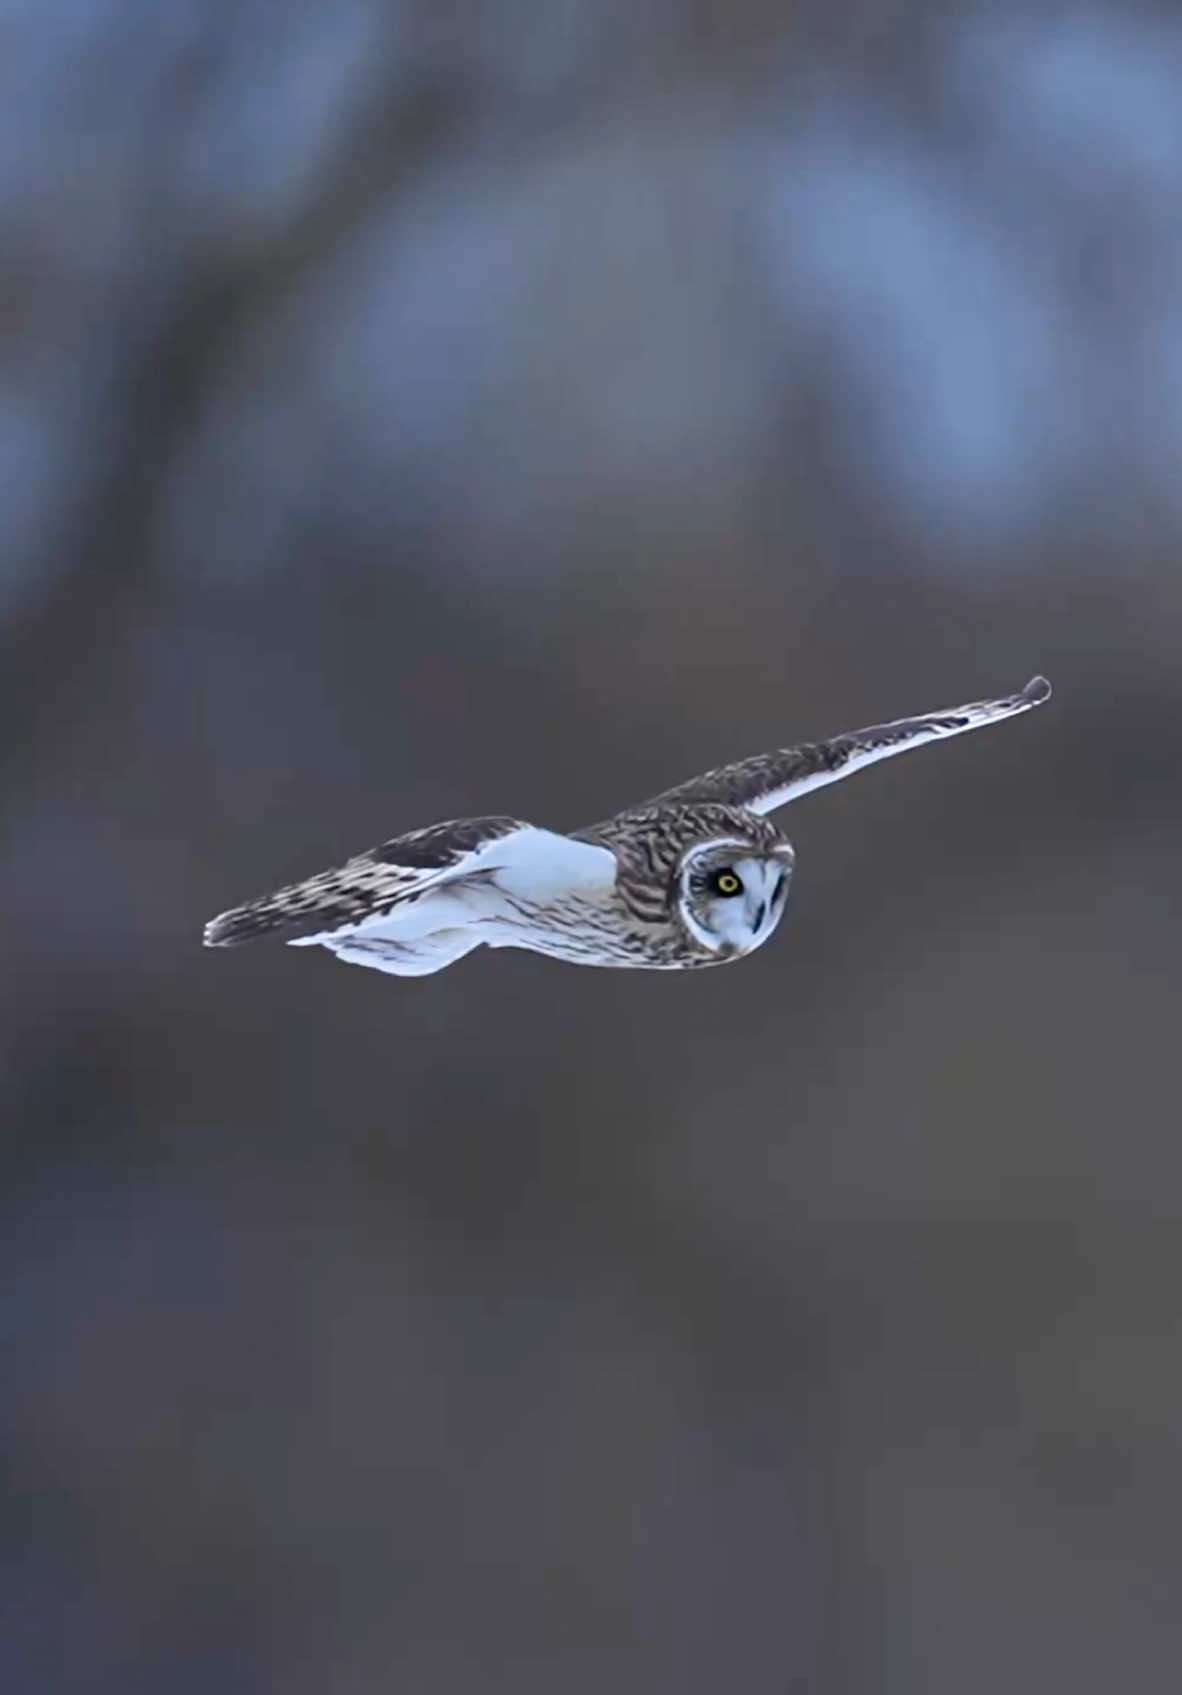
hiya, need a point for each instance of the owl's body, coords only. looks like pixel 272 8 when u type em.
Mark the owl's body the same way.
pixel 697 876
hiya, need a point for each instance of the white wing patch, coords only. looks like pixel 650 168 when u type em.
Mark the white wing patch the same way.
pixel 406 959
pixel 542 865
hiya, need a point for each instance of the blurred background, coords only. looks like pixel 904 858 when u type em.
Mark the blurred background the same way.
pixel 417 409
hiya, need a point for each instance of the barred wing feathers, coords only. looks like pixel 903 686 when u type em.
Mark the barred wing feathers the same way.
pixel 769 780
pixel 513 854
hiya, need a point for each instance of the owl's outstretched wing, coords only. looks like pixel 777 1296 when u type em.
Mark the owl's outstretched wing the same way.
pixel 506 855
pixel 768 780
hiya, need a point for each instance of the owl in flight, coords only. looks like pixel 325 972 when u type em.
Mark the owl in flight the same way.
pixel 697 876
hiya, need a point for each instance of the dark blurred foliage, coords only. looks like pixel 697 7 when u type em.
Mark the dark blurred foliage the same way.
pixel 411 410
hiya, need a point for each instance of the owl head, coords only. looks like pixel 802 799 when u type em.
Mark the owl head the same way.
pixel 731 891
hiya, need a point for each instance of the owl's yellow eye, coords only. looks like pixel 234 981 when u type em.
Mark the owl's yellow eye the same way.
pixel 726 883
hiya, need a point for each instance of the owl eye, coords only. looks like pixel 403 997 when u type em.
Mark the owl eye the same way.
pixel 726 883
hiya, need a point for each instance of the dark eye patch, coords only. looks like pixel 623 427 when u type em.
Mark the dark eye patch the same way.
pixel 779 888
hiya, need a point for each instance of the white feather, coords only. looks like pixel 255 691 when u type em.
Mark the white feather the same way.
pixel 400 959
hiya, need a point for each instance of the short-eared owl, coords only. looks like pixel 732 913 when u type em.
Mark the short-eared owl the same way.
pixel 696 876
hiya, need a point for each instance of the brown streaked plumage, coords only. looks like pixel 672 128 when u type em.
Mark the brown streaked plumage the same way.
pixel 696 876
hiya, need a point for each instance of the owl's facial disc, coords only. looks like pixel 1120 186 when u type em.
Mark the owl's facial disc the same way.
pixel 732 896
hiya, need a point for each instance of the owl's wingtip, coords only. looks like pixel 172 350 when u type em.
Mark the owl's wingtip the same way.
pixel 1036 691
pixel 240 924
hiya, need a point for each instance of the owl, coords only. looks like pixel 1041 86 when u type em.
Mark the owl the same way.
pixel 696 876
